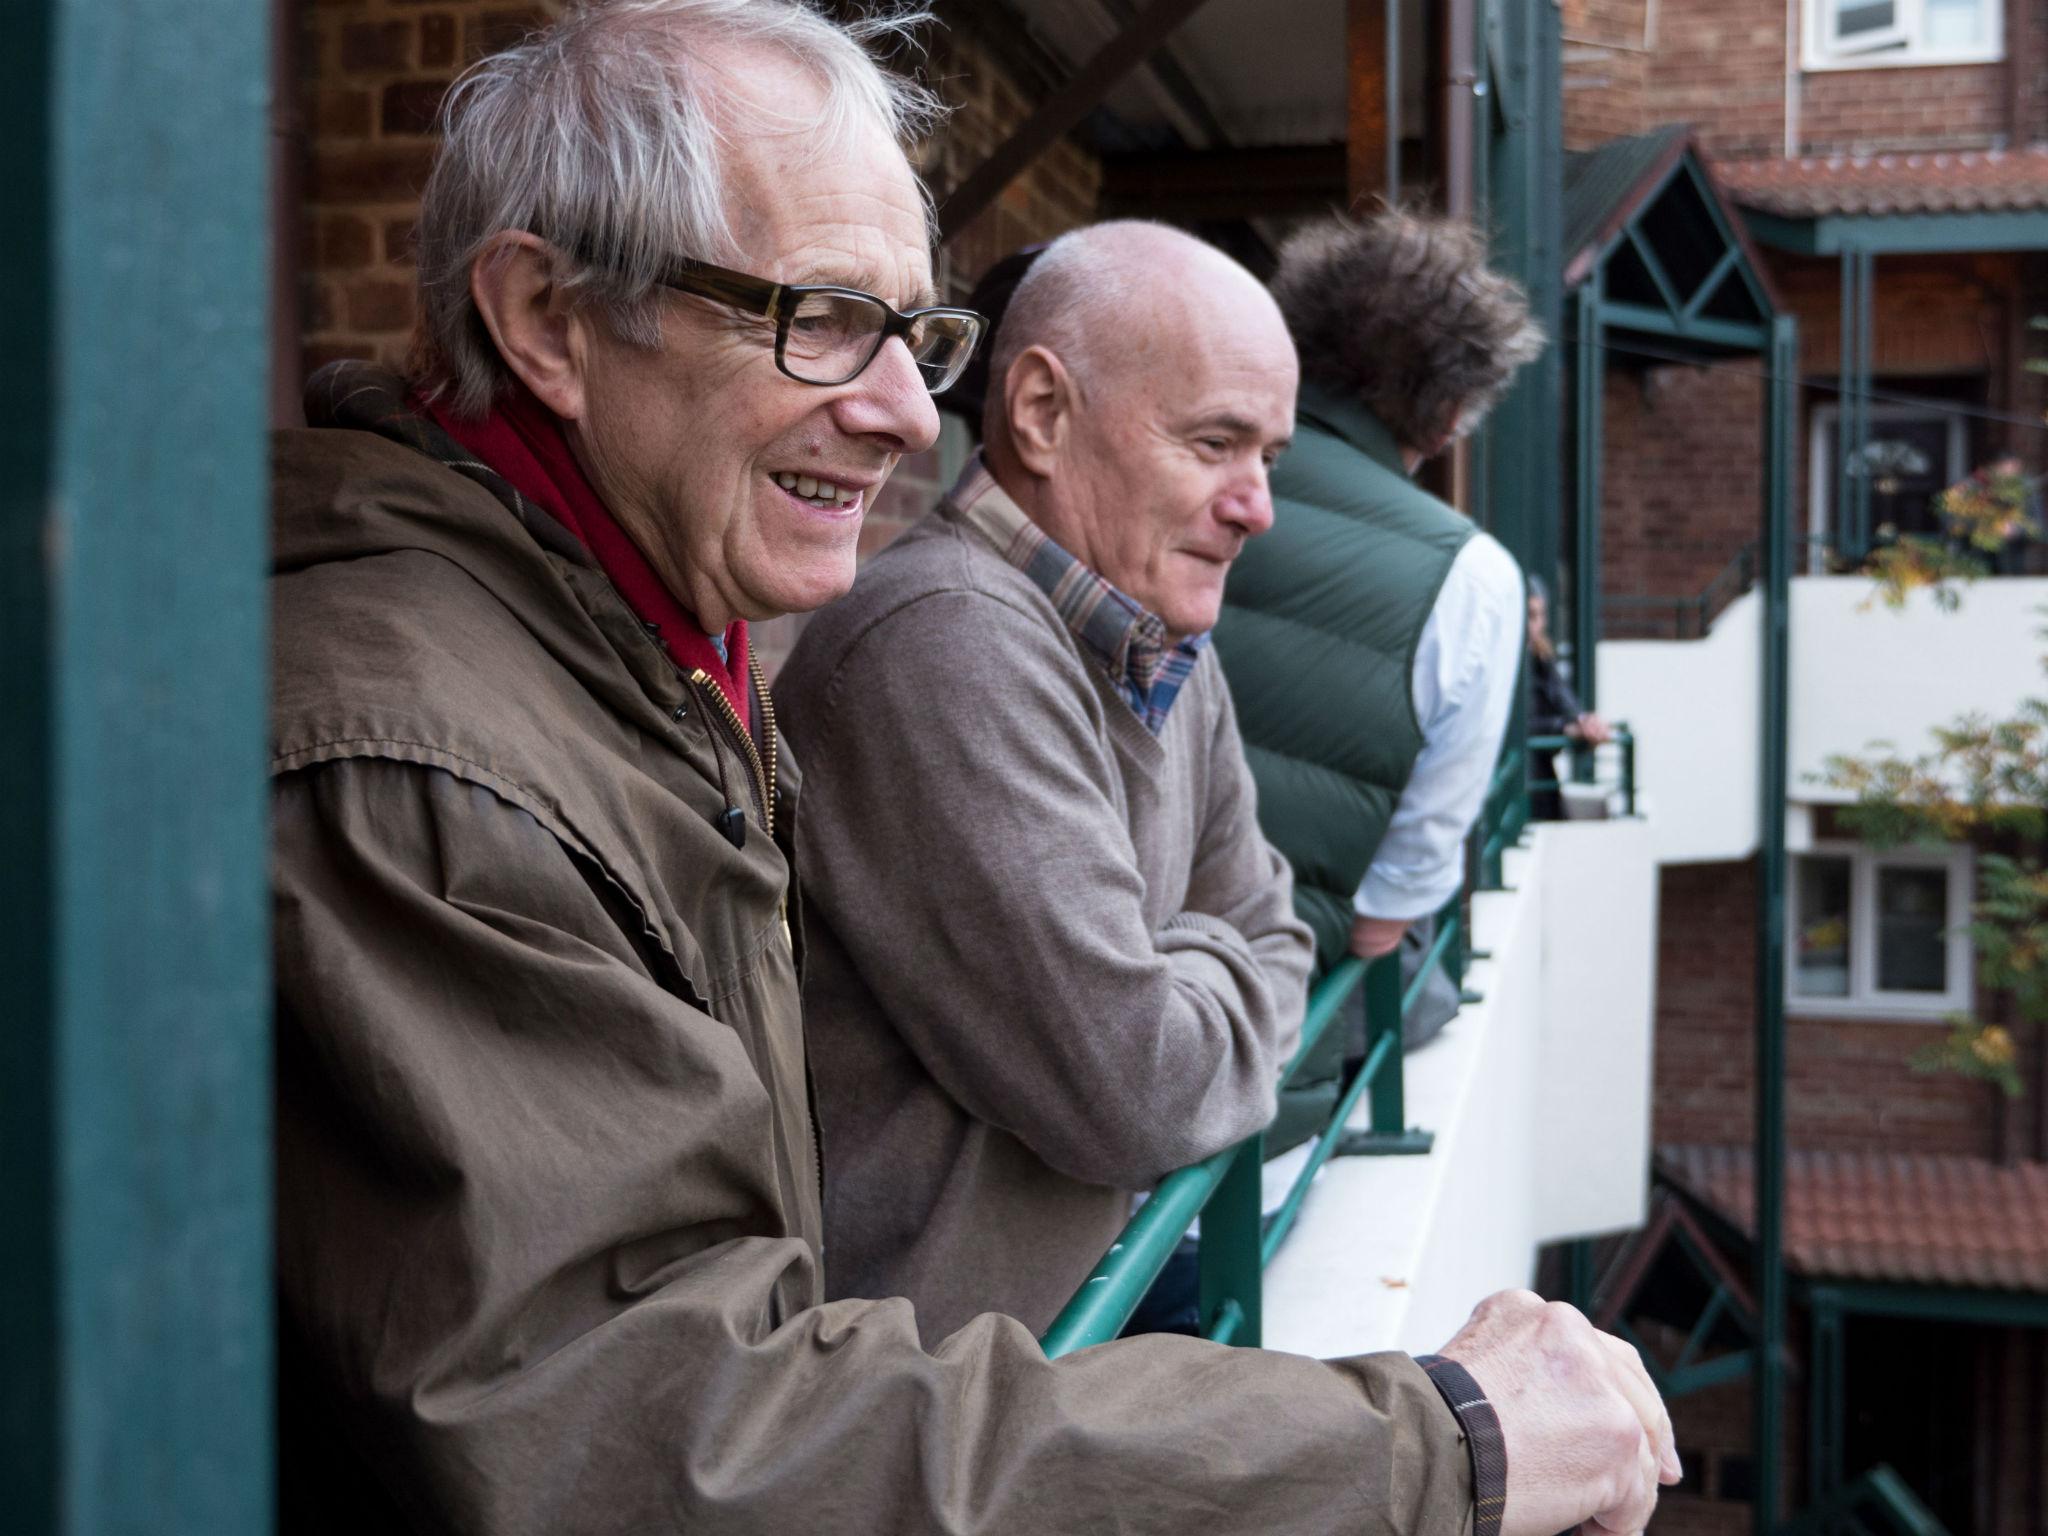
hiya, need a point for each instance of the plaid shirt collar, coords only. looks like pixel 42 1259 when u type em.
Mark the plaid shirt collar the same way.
pixel 1129 642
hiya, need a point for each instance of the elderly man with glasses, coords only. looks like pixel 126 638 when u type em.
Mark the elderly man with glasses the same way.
pixel 548 1218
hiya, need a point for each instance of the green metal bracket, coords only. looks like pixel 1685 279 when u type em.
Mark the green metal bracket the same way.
pixel 1231 1310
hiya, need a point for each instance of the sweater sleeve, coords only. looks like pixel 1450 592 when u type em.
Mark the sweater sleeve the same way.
pixel 530 1268
pixel 962 834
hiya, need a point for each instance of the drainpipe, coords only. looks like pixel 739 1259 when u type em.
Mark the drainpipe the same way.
pixel 1791 82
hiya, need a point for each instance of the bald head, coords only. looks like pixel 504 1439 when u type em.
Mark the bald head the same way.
pixel 1141 385
pixel 1108 299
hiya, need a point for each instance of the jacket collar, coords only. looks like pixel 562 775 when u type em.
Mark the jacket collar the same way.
pixel 1348 419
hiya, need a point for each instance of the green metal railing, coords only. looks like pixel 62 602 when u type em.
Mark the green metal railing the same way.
pixel 1224 1189
pixel 1877 1504
pixel 1238 1241
pixel 1582 763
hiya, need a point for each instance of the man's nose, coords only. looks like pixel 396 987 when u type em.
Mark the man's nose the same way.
pixel 1250 506
pixel 889 401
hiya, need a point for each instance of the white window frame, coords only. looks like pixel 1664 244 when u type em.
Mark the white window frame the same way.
pixel 1824 425
pixel 1911 16
pixel 1865 1000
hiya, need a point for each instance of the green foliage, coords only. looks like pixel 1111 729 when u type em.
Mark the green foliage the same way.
pixel 1980 514
pixel 1981 777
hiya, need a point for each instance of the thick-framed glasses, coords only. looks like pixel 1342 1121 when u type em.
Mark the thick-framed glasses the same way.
pixel 825 334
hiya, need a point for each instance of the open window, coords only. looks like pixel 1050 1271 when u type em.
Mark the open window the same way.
pixel 1861 34
pixel 1879 934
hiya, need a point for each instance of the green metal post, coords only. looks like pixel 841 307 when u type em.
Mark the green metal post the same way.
pixel 1852 421
pixel 1579 1273
pixel 135 1314
pixel 1230 1251
pixel 1383 1018
pixel 1826 1409
pixel 1780 403
pixel 1521 142
pixel 1589 378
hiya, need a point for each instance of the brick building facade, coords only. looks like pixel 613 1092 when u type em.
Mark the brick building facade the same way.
pixel 1787 138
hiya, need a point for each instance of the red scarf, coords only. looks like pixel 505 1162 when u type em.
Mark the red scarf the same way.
pixel 523 441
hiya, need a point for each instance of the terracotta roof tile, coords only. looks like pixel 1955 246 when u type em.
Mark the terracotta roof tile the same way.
pixel 1971 181
pixel 1953 1221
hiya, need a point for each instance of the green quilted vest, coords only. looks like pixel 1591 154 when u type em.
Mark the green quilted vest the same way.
pixel 1321 620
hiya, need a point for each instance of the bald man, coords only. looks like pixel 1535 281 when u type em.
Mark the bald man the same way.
pixel 1050 957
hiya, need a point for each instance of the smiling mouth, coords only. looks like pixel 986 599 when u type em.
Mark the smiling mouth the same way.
pixel 825 495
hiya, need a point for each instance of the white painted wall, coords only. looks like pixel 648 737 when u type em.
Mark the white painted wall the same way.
pixel 1693 707
pixel 1862 673
pixel 1539 1097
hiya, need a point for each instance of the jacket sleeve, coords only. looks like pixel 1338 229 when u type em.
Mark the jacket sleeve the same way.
pixel 527 1254
pixel 962 835
pixel 1245 882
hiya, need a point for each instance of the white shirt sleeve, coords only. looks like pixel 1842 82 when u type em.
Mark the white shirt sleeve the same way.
pixel 1465 669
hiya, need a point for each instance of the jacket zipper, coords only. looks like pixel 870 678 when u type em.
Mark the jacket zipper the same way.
pixel 764 788
pixel 763 775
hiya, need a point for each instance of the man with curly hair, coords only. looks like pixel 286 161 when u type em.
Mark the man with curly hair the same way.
pixel 1374 637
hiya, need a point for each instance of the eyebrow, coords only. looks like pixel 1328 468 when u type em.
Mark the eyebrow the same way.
pixel 866 280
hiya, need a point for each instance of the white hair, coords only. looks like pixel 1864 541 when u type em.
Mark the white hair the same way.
pixel 604 135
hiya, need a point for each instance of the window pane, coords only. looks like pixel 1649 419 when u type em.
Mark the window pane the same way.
pixel 1854 18
pixel 1820 904
pixel 1912 913
pixel 1956 23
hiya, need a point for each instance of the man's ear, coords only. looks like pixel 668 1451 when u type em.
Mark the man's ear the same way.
pixel 537 330
pixel 1039 400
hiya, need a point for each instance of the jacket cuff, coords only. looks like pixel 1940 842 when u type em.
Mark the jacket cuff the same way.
pixel 1483 1439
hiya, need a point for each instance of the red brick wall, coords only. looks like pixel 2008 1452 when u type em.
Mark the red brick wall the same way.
pixel 373 72
pixel 1682 484
pixel 1849 1084
pixel 1863 111
pixel 1606 70
pixel 1720 64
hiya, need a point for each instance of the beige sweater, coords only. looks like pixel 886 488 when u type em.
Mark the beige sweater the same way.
pixel 1049 957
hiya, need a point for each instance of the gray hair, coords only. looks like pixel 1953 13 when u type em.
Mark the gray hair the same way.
pixel 604 135
pixel 1399 311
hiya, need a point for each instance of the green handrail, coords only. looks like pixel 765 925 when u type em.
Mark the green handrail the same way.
pixel 1223 1189
pixel 1111 1293
pixel 1624 741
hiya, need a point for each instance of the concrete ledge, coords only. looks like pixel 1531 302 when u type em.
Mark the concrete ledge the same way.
pixel 1539 1098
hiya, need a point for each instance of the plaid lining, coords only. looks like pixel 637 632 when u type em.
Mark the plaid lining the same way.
pixel 1483 1439
pixel 1129 642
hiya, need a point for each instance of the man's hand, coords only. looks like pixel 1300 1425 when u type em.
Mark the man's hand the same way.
pixel 1588 1439
pixel 1372 937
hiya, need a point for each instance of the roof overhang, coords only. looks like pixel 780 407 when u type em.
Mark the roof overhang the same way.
pixel 2022 229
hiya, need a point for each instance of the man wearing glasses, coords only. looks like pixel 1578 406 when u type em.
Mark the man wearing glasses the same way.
pixel 548 1219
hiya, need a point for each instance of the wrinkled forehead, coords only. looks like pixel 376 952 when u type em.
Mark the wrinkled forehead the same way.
pixel 819 197
pixel 1202 345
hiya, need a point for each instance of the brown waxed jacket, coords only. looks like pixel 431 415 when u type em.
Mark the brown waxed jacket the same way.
pixel 547 1190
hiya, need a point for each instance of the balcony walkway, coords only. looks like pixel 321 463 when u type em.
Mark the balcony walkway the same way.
pixel 1539 1098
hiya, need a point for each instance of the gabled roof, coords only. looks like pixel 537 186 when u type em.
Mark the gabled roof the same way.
pixel 1977 181
pixel 1959 1222
pixel 1660 248
pixel 1602 186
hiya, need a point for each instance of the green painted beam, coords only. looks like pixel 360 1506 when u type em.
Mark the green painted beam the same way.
pixel 1700 328
pixel 135 1312
pixel 1901 233
pixel 1938 1303
pixel 1589 379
